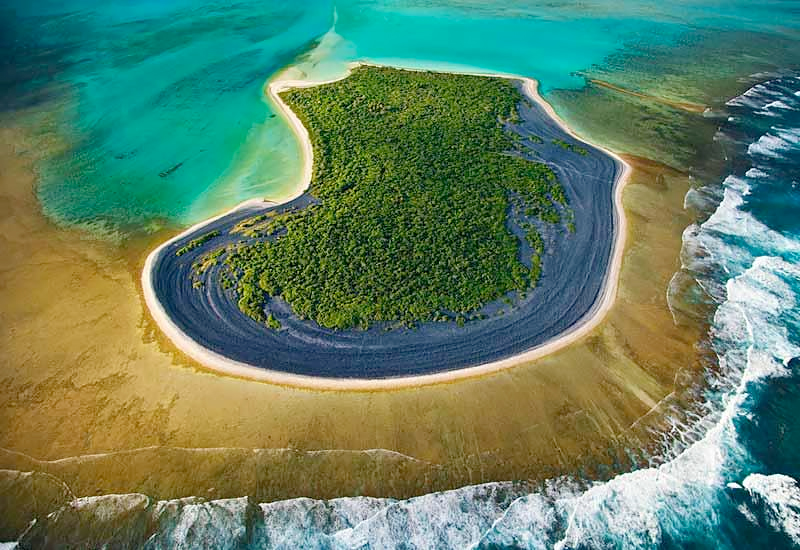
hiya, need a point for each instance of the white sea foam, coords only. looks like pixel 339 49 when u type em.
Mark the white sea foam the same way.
pixel 192 523
pixel 775 144
pixel 774 108
pixel 761 302
pixel 777 105
pixel 756 98
pixel 312 522
pixel 781 495
pixel 753 325
pixel 528 523
pixel 756 173
pixel 768 145
pixel 451 519
pixel 740 185
pixel 789 135
pixel 731 237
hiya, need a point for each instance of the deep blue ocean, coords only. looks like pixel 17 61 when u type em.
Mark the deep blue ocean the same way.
pixel 159 119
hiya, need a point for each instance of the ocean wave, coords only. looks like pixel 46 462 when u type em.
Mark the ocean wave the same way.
pixel 777 105
pixel 789 135
pixel 768 145
pixel 755 98
pixel 450 519
pixel 756 173
pixel 313 522
pixel 730 239
pixel 773 108
pixel 780 496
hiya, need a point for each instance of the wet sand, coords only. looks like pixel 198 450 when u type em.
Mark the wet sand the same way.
pixel 85 371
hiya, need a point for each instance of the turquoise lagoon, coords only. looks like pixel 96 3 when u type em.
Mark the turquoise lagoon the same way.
pixel 162 109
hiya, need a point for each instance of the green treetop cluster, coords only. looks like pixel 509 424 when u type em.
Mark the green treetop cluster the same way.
pixel 414 173
pixel 196 243
pixel 571 147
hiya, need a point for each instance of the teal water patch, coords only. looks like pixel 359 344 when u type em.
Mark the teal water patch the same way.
pixel 164 114
pixel 535 40
pixel 162 104
pixel 690 51
pixel 550 41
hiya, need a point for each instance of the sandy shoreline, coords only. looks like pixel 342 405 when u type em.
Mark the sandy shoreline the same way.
pixel 220 363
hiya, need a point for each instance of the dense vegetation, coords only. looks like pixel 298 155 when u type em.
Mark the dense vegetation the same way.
pixel 571 147
pixel 416 176
pixel 197 243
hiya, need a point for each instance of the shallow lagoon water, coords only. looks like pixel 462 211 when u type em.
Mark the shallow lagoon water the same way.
pixel 164 115
pixel 162 110
pixel 725 478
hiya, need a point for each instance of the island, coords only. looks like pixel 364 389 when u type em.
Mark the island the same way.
pixel 448 222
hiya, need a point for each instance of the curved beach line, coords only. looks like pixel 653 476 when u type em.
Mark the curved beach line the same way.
pixel 219 363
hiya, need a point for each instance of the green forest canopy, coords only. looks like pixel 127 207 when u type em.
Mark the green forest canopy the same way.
pixel 415 177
